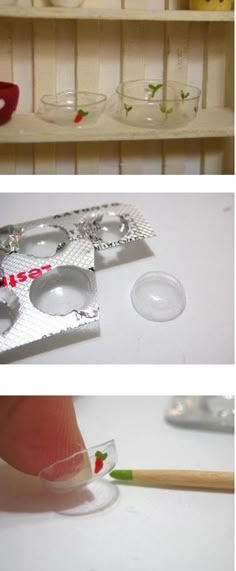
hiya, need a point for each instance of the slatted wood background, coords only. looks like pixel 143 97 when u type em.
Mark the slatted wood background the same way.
pixel 45 56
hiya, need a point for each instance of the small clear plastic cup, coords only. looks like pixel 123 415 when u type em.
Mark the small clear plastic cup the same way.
pixel 80 469
pixel 158 296
pixel 76 485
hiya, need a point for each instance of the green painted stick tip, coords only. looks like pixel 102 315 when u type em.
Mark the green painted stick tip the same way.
pixel 122 474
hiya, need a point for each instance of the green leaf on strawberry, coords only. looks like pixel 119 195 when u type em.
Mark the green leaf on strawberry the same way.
pixel 80 115
pixel 102 455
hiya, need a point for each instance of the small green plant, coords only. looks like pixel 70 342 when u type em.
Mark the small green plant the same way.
pixel 184 95
pixel 154 88
pixel 127 109
pixel 163 109
pixel 195 109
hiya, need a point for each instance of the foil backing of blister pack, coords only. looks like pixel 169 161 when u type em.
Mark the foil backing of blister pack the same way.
pixel 91 223
pixel 77 234
pixel 26 278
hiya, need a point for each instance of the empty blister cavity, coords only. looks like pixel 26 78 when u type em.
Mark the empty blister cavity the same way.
pixel 112 225
pixel 9 308
pixel 80 469
pixel 63 301
pixel 63 290
pixel 9 239
pixel 158 296
pixel 43 241
pixel 108 228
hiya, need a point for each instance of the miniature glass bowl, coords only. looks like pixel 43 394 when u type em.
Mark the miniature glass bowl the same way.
pixel 70 108
pixel 152 103
pixel 80 469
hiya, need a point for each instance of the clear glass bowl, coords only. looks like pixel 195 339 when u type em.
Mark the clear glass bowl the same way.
pixel 70 108
pixel 153 103
pixel 80 469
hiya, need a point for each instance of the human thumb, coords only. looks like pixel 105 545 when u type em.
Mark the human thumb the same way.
pixel 36 431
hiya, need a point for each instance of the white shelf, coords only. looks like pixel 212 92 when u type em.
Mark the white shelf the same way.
pixel 115 14
pixel 30 129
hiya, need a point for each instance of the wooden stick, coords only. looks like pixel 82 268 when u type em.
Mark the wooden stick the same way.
pixel 190 479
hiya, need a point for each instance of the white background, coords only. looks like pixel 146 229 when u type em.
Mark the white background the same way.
pixel 194 242
pixel 145 529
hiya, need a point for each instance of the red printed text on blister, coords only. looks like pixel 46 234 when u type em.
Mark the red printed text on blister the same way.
pixel 15 279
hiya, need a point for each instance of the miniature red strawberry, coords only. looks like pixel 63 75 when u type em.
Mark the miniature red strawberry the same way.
pixel 99 460
pixel 80 115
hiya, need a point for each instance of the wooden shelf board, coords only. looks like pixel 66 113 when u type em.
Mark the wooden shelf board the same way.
pixel 115 14
pixel 30 129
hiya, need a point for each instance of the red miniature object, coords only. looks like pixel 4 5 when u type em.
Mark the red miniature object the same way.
pixel 80 115
pixel 98 465
pixel 9 96
pixel 99 460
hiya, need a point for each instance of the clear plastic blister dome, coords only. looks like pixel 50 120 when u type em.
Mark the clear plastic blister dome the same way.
pixel 158 296
pixel 9 308
pixel 78 480
pixel 107 227
pixel 42 240
pixel 81 468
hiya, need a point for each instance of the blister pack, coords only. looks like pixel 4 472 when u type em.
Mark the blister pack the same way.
pixel 47 269
pixel 105 226
pixel 49 296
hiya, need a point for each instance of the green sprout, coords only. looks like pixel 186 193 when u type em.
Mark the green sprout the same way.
pixel 184 95
pixel 163 109
pixel 154 88
pixel 127 109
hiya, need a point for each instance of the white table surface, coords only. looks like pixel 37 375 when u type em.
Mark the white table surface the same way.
pixel 145 529
pixel 194 242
